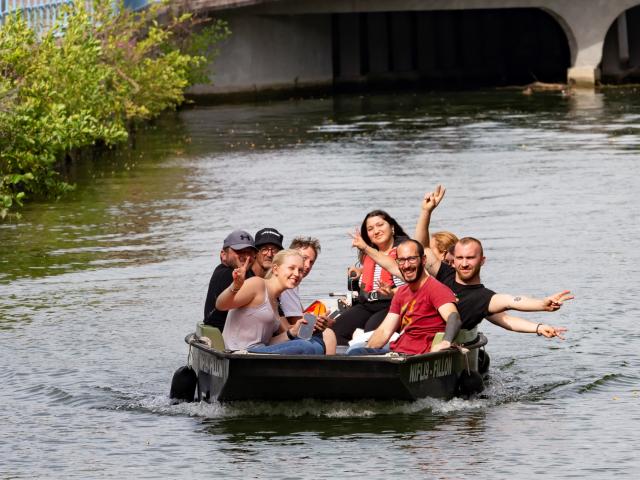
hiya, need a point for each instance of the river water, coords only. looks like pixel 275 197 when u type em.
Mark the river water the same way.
pixel 98 290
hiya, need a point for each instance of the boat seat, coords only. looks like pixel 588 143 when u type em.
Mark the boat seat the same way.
pixel 213 334
pixel 464 336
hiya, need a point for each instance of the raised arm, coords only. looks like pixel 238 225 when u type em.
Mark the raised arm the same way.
pixel 501 302
pixel 517 324
pixel 429 203
pixel 383 333
pixel 239 293
pixel 385 261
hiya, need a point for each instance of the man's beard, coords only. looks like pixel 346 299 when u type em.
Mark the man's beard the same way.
pixel 467 275
pixel 418 276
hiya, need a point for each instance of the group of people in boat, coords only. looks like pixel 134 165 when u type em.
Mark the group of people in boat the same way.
pixel 409 290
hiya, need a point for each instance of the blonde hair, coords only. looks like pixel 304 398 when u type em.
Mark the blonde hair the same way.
pixel 445 241
pixel 280 257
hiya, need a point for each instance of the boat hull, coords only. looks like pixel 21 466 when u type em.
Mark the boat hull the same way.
pixel 226 376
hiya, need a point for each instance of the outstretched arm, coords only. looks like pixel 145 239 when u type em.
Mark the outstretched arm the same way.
pixel 385 261
pixel 429 203
pixel 501 302
pixel 517 324
pixel 383 333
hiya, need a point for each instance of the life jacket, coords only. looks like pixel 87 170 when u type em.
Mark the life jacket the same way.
pixel 368 267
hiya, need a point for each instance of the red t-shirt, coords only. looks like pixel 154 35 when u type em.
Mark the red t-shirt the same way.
pixel 419 315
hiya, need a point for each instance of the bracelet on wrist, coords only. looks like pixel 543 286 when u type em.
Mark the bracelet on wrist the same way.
pixel 538 330
pixel 233 290
pixel 290 335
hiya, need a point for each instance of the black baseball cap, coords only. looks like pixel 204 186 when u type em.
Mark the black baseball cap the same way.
pixel 269 235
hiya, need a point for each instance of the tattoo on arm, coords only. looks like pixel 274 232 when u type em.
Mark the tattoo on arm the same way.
pixel 453 326
pixel 517 299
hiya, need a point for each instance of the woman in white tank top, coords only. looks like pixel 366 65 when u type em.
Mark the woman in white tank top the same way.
pixel 253 323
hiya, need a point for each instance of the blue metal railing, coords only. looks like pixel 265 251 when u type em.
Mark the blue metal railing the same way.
pixel 136 4
pixel 39 14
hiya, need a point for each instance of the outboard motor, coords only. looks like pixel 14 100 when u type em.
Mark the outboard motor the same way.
pixel 483 362
pixel 470 382
pixel 183 384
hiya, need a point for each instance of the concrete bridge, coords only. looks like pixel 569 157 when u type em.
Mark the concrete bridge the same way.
pixel 309 43
pixel 284 44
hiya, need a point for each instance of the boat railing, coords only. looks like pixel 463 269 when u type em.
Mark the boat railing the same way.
pixel 203 343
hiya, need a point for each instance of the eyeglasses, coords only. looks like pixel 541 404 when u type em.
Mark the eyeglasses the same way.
pixel 412 260
pixel 266 249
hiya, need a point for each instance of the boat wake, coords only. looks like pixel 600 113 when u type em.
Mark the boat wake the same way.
pixel 502 388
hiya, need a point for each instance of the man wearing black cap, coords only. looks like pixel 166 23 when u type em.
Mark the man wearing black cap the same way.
pixel 236 248
pixel 268 243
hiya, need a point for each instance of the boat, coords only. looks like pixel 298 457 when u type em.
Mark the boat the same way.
pixel 229 376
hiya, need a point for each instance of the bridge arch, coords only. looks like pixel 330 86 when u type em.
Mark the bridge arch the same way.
pixel 586 26
pixel 450 48
pixel 621 49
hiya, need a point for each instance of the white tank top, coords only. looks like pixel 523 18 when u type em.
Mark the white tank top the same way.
pixel 249 326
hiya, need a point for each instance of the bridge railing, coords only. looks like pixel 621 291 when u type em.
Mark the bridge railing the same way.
pixel 39 14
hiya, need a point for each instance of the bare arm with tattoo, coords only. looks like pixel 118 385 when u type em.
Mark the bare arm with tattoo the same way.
pixel 501 302
pixel 449 312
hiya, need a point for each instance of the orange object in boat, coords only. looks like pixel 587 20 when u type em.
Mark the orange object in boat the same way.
pixel 317 308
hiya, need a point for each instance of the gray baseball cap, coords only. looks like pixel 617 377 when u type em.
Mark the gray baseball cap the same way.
pixel 239 239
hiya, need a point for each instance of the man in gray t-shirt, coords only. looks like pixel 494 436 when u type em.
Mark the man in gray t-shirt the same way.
pixel 290 304
pixel 290 299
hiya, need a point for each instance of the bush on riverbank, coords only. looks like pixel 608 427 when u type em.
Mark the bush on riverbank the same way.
pixel 85 82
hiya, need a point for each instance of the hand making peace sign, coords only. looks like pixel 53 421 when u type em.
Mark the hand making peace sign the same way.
pixel 239 274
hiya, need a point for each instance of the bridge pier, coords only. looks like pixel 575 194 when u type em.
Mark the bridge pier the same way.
pixel 586 25
pixel 583 77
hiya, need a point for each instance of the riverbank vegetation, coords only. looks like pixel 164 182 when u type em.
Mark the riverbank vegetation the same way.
pixel 86 82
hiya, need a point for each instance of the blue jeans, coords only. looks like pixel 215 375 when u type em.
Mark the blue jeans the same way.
pixel 318 343
pixel 368 351
pixel 292 347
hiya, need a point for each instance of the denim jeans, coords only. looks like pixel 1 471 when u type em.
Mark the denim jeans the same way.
pixel 358 350
pixel 318 343
pixel 292 347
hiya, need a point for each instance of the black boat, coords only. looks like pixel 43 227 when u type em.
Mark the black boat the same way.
pixel 224 376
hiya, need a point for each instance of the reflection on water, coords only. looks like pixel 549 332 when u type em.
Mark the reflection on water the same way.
pixel 98 289
pixel 117 216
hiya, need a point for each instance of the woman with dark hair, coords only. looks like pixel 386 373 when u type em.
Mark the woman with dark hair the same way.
pixel 381 231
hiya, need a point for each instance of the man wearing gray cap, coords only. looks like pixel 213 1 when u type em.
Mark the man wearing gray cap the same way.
pixel 236 248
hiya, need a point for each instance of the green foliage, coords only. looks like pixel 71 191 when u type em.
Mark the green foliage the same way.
pixel 85 81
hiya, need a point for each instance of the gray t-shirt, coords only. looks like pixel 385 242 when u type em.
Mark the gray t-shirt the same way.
pixel 290 303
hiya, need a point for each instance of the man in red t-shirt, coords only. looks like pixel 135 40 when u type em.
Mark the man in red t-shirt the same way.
pixel 418 308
